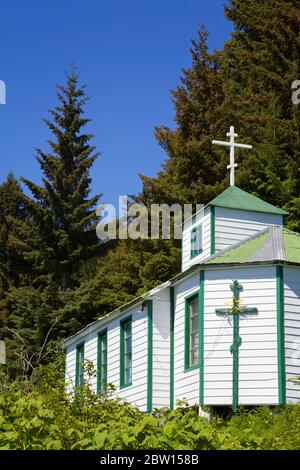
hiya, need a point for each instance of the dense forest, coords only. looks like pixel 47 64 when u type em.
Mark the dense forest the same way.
pixel 55 276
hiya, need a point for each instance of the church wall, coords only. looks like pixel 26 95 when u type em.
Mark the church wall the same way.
pixel 233 226
pixel 186 384
pixel 70 368
pixel 137 392
pixel 186 241
pixel 161 350
pixel 258 376
pixel 292 330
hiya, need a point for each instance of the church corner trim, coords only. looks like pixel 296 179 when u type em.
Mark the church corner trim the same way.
pixel 172 346
pixel 201 337
pixel 150 357
pixel 212 230
pixel 280 335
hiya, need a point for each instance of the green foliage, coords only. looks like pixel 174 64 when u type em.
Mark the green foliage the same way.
pixel 47 418
pixel 62 214
pixel 247 84
pixel 51 266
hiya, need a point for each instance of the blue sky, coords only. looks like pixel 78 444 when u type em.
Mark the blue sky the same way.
pixel 129 53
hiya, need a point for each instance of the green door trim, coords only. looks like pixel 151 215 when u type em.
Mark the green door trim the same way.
pixel 280 335
pixel 201 338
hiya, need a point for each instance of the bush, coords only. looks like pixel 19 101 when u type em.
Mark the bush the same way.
pixel 44 417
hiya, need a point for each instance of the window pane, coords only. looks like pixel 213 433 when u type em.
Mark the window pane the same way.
pixel 127 329
pixel 80 366
pixel 194 340
pixel 128 375
pixel 126 353
pixel 102 364
pixel 194 331
pixel 194 306
pixel 127 345
pixel 194 323
pixel 196 241
pixel 194 357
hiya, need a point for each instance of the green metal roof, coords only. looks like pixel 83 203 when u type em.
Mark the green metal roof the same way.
pixel 292 246
pixel 273 244
pixel 242 253
pixel 235 198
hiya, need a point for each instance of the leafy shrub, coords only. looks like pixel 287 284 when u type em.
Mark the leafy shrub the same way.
pixel 46 418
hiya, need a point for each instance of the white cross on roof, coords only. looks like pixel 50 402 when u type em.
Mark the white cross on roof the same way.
pixel 232 144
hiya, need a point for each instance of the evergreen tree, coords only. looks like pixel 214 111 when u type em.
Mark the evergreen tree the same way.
pixel 248 85
pixel 58 237
pixel 63 214
pixel 191 173
pixel 13 218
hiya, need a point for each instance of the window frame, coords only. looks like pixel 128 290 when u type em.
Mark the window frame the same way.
pixel 187 334
pixel 79 369
pixel 101 382
pixel 195 253
pixel 123 382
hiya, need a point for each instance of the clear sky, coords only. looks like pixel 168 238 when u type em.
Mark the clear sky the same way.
pixel 129 53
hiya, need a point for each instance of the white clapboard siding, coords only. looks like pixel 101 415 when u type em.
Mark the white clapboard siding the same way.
pixel 137 392
pixel 292 330
pixel 186 384
pixel 70 370
pixel 186 240
pixel 233 225
pixel 161 350
pixel 258 376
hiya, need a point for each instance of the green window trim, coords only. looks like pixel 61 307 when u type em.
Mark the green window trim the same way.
pixel 280 335
pixel 79 373
pixel 187 334
pixel 194 234
pixel 124 382
pixel 102 361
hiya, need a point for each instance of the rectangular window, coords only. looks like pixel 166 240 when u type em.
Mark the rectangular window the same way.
pixel 192 332
pixel 102 362
pixel 196 241
pixel 79 378
pixel 126 353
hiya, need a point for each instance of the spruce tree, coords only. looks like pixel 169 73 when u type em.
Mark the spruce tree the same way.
pixel 62 211
pixel 13 219
pixel 248 85
pixel 191 171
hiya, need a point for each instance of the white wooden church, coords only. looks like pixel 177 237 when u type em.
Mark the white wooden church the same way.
pixel 223 332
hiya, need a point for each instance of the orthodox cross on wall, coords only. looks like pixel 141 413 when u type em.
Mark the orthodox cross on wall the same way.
pixel 233 145
pixel 235 311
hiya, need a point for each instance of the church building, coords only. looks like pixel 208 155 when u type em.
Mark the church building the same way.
pixel 223 332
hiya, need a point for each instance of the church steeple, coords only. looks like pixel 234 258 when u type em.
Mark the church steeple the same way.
pixel 232 144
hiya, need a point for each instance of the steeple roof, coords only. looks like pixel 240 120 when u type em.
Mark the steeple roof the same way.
pixel 235 198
